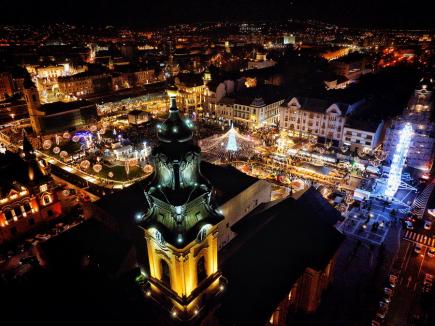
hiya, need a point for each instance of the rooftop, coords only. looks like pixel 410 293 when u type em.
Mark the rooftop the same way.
pixel 362 124
pixel 59 107
pixel 227 182
pixel 258 277
pixel 189 79
pixel 71 250
pixel 318 105
pixel 257 96
pixel 15 172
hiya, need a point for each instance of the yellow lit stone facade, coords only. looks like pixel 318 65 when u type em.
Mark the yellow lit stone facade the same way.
pixel 191 270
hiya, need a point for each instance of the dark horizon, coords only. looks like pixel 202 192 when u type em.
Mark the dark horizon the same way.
pixel 139 13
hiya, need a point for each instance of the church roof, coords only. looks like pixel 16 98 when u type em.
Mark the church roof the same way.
pixel 175 129
pixel 60 107
pixel 16 172
pixel 273 248
pixel 68 250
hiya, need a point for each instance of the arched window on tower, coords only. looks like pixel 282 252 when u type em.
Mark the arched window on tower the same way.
pixel 202 234
pixel 18 212
pixel 165 277
pixel 8 215
pixel 201 273
pixel 46 199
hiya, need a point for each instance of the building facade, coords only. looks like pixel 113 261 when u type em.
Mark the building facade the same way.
pixel 85 84
pixel 305 295
pixel 253 110
pixel 191 90
pixel 239 206
pixel 27 194
pixel 305 117
pixel 57 116
pixel 128 76
pixel 418 114
pixel 362 134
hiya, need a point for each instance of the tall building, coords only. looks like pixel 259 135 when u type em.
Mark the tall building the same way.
pixel 27 194
pixel 31 96
pixel 57 116
pixel 418 115
pixel 181 222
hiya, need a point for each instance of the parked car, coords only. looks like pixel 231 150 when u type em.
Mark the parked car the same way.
pixel 383 309
pixel 427 225
pixel 431 252
pixel 417 249
pixel 388 294
pixel 428 278
pixel 393 280
pixel 409 225
pixel 427 283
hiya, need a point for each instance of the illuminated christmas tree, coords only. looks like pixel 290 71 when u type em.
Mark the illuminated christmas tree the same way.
pixel 230 146
pixel 232 141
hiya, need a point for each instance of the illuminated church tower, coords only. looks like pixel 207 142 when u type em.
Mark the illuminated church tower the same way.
pixel 31 96
pixel 181 222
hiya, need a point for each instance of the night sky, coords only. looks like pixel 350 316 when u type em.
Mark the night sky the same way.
pixel 363 13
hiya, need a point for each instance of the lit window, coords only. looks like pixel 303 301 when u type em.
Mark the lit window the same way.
pixel 43 188
pixel 8 215
pixel 46 199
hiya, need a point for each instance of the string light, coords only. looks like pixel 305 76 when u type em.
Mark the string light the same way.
pixel 400 153
pixel 232 145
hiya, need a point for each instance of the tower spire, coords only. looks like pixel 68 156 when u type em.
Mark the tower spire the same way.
pixel 28 151
pixel 182 218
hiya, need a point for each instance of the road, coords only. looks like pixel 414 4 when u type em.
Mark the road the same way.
pixel 408 301
pixel 13 113
pixel 359 277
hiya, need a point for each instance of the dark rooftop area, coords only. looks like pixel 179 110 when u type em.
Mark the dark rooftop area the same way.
pixel 264 94
pixel 71 250
pixel 272 250
pixel 58 107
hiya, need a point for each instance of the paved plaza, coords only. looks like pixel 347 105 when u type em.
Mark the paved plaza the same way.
pixel 371 221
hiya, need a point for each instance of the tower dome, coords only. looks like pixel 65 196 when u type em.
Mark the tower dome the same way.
pixel 174 129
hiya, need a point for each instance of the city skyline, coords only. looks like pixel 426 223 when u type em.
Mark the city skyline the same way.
pixel 359 13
